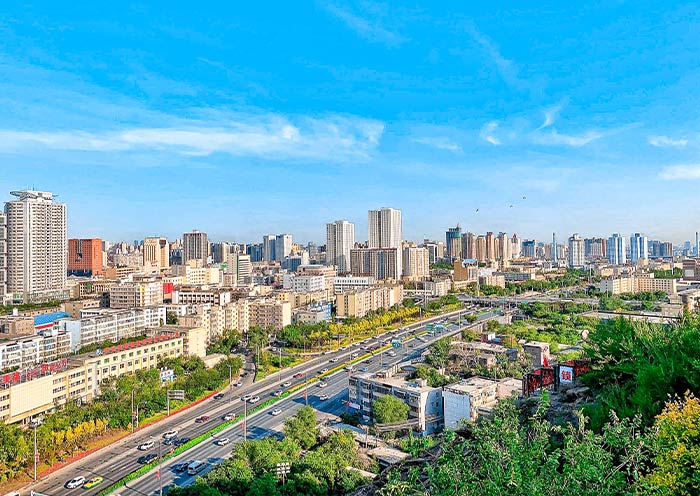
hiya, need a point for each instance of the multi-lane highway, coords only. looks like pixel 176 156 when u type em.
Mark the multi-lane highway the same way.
pixel 119 459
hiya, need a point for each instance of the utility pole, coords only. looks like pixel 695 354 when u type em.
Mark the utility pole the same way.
pixel 245 421
pixel 279 380
pixel 132 411
pixel 230 383
pixel 35 424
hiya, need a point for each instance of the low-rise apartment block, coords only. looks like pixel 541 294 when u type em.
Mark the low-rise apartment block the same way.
pixel 349 283
pixel 136 294
pixel 32 350
pixel 637 284
pixel 467 400
pixel 424 402
pixel 312 314
pixel 198 295
pixel 270 314
pixel 359 303
pixel 303 284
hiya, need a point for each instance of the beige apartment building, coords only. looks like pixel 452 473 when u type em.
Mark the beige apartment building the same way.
pixel 359 303
pixel 26 394
pixel 156 250
pixel 136 294
pixel 273 314
pixel 637 284
pixel 416 265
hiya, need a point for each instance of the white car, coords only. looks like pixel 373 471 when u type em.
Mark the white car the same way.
pixel 276 412
pixel 323 371
pixel 354 355
pixel 75 482
pixel 286 384
pixel 247 397
pixel 171 434
pixel 229 416
pixel 333 360
pixel 254 399
pixel 222 441
pixel 323 397
pixel 146 446
pixel 322 384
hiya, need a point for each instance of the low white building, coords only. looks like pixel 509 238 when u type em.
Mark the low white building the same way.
pixel 303 284
pixel 349 283
pixel 475 396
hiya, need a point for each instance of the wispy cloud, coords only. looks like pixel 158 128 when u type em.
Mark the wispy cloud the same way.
pixel 439 142
pixel 366 28
pixel 487 131
pixel 555 138
pixel 271 136
pixel 665 141
pixel 551 114
pixel 674 172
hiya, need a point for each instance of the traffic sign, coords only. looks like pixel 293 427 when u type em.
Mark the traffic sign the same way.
pixel 176 394
pixel 396 343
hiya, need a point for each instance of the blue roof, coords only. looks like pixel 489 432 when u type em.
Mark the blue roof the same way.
pixel 47 318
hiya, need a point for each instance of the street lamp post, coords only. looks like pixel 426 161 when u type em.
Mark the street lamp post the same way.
pixel 230 382
pixel 35 424
pixel 137 413
pixel 245 421
pixel 279 380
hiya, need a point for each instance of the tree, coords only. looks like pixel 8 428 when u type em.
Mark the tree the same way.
pixel 389 409
pixel 439 352
pixel 302 427
pixel 676 448
pixel 170 318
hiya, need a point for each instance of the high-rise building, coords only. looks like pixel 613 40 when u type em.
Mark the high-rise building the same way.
pixel 529 249
pixel 617 254
pixel 240 265
pixel 3 257
pixel 384 231
pixel 340 239
pixel 453 242
pixel 491 249
pixel 283 246
pixel 504 247
pixel 268 248
pixel 416 264
pixel 156 249
pixel 195 246
pixel 481 253
pixel 554 248
pixel 433 251
pixel 220 252
pixel 37 246
pixel 596 248
pixel 516 247
pixel 639 248
pixel 379 263
pixel 577 251
pixel 84 257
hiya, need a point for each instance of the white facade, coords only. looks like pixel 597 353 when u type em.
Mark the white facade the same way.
pixel 37 244
pixel 3 258
pixel 97 325
pixel 384 231
pixel 32 350
pixel 340 239
pixel 577 251
pixel 617 253
pixel 283 246
pixel 348 283
pixel 303 284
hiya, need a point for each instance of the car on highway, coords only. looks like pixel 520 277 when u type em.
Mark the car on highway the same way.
pixel 323 397
pixel 229 416
pixel 238 384
pixel 322 384
pixel 368 361
pixel 93 481
pixel 218 396
pixel 392 353
pixel 202 419
pixel 75 482
pixel 181 467
pixel 171 434
pixel 146 446
pixel 354 355
pixel 334 359
pixel 254 399
pixel 170 441
pixel 277 393
pixel 147 458
pixel 323 371
pixel 222 441
pixel 287 384
pixel 298 375
pixel 276 412
pixel 181 441
pixel 350 368
pixel 246 397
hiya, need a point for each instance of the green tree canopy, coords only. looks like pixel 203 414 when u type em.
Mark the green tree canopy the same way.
pixel 389 409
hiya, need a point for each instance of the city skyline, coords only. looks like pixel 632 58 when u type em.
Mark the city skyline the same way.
pixel 248 122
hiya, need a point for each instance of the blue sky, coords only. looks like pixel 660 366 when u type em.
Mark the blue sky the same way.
pixel 246 118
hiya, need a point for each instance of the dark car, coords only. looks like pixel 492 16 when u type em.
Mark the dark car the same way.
pixel 181 441
pixel 202 419
pixel 218 396
pixel 169 441
pixel 181 467
pixel 147 458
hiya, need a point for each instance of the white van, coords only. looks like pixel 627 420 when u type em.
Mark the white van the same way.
pixel 195 467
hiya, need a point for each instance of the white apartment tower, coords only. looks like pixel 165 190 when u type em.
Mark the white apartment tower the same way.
pixel 3 258
pixel 384 231
pixel 617 254
pixel 37 245
pixel 577 251
pixel 639 248
pixel 195 246
pixel 340 239
pixel 283 246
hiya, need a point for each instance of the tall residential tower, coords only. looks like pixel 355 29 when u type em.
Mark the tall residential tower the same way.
pixel 384 231
pixel 340 239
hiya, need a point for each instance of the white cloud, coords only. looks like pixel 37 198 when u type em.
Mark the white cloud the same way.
pixel 551 114
pixel 673 172
pixel 555 138
pixel 440 143
pixel 664 141
pixel 487 133
pixel 368 29
pixel 271 136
